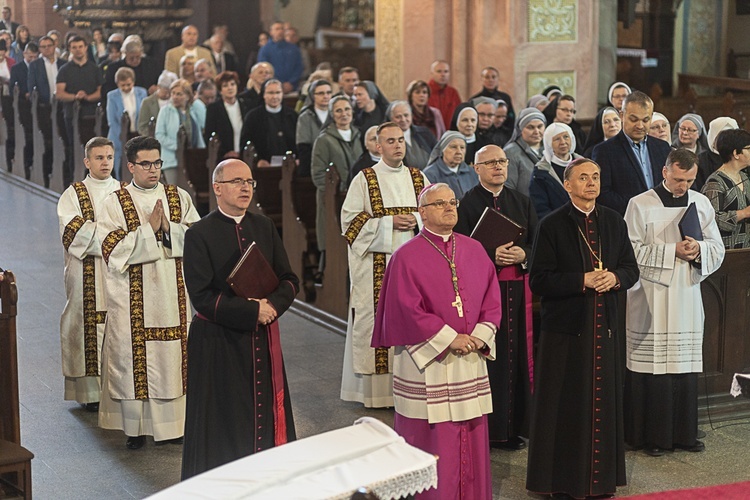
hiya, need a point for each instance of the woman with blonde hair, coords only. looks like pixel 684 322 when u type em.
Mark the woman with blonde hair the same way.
pixel 177 113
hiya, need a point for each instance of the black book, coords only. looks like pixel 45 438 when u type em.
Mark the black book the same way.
pixel 495 229
pixel 690 224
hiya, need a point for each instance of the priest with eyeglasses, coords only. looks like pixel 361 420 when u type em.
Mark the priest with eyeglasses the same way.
pixel 439 308
pixel 238 401
pixel 511 374
pixel 142 230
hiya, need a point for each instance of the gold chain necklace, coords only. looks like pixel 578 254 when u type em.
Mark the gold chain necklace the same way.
pixel 458 304
pixel 600 264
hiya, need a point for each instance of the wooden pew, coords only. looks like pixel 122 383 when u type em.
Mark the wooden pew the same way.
pixel 78 134
pixel 37 170
pixel 152 126
pixel 20 137
pixel 298 221
pixel 125 174
pixel 58 150
pixel 332 296
pixel 726 343
pixel 267 197
pixel 192 172
pixel 213 159
pixel 15 460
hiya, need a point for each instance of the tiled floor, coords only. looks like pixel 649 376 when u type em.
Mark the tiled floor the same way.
pixel 75 459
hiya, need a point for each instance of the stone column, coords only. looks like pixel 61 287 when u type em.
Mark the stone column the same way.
pixel 533 44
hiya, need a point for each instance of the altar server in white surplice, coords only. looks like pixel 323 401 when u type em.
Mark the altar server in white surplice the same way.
pixel 665 310
pixel 144 362
pixel 378 215
pixel 82 321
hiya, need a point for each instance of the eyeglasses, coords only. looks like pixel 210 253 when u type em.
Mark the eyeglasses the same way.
pixel 497 162
pixel 149 165
pixel 486 115
pixel 441 204
pixel 46 45
pixel 240 182
pixel 567 110
pixel 687 130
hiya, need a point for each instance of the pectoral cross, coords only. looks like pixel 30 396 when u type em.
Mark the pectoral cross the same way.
pixel 459 306
pixel 599 266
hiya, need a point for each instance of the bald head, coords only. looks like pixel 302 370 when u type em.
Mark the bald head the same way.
pixel 189 36
pixel 491 165
pixel 233 186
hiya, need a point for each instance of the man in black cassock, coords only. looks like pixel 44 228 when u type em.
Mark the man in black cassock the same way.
pixel 582 256
pixel 511 374
pixel 235 369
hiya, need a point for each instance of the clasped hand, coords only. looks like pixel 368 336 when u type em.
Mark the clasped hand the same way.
pixel 601 281
pixel 406 222
pixel 465 344
pixel 158 219
pixel 688 249
pixel 266 312
pixel 508 254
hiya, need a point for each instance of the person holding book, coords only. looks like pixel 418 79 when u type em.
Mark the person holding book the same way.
pixel 238 401
pixel 676 248
pixel 511 374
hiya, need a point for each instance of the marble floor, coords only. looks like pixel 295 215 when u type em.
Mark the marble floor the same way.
pixel 75 459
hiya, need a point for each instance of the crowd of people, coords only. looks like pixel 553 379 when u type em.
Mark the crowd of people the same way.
pixel 454 349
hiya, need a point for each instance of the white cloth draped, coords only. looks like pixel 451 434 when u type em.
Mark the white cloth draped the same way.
pixel 85 243
pixel 359 381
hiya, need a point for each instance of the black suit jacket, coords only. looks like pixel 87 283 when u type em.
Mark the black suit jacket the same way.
pixel 146 73
pixel 560 259
pixel 622 177
pixel 230 62
pixel 38 79
pixel 12 28
pixel 255 128
pixel 217 121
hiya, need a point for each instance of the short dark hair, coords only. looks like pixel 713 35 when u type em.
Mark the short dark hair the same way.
pixel 31 47
pixel 729 141
pixel 415 85
pixel 75 38
pixel 573 164
pixel 639 98
pixel 566 97
pixel 97 142
pixel 138 144
pixel 226 77
pixel 348 69
pixel 682 158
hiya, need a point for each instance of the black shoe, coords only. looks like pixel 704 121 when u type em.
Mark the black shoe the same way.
pixel 697 447
pixel 178 440
pixel 91 407
pixel 513 444
pixel 654 451
pixel 135 442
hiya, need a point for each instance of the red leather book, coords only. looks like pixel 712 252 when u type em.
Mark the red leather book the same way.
pixel 252 277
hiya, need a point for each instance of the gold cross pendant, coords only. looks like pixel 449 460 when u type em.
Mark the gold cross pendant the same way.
pixel 599 266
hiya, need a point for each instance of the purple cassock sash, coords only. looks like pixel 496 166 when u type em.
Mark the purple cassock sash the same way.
pixel 513 273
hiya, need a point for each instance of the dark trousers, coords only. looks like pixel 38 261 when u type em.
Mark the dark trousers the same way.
pixel 24 111
pixel 44 115
pixel 10 142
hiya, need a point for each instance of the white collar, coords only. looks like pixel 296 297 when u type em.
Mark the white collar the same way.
pixel 582 210
pixel 445 237
pixel 237 218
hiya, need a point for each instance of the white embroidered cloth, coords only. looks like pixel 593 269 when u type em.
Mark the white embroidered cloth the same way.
pixel 736 388
pixel 332 465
